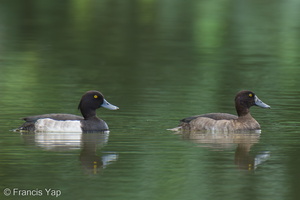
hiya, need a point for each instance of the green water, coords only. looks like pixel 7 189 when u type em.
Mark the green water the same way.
pixel 159 61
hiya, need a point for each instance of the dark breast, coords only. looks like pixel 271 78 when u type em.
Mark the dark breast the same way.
pixel 93 125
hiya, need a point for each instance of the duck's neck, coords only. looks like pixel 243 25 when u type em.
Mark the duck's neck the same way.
pixel 242 110
pixel 88 113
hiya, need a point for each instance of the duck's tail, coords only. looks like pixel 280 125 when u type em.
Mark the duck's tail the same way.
pixel 179 128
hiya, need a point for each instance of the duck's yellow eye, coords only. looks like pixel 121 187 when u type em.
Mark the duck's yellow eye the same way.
pixel 95 96
pixel 250 95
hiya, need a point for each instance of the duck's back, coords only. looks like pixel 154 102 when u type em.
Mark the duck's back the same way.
pixel 55 116
pixel 214 116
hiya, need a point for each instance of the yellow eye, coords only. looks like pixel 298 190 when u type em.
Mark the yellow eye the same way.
pixel 250 95
pixel 95 96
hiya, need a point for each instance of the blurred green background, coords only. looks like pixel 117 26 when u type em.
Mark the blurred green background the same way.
pixel 159 61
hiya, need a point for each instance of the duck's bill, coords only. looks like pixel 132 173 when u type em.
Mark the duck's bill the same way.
pixel 261 104
pixel 109 106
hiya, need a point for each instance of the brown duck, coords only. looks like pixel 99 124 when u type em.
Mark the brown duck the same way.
pixel 227 122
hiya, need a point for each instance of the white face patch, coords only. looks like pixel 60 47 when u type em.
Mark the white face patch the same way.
pixel 50 125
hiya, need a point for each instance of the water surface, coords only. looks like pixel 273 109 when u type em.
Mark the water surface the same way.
pixel 159 61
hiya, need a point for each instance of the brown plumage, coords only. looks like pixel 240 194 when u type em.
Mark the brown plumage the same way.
pixel 227 122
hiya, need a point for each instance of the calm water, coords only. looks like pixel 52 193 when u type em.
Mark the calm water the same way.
pixel 159 61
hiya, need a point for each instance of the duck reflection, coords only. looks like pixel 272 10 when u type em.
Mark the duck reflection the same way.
pixel 221 140
pixel 90 161
pixel 88 143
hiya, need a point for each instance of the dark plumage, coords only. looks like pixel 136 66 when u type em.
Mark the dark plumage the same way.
pixel 90 101
pixel 227 122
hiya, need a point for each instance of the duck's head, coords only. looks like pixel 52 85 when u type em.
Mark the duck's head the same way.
pixel 245 99
pixel 91 101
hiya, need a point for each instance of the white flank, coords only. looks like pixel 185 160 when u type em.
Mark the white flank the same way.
pixel 50 125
